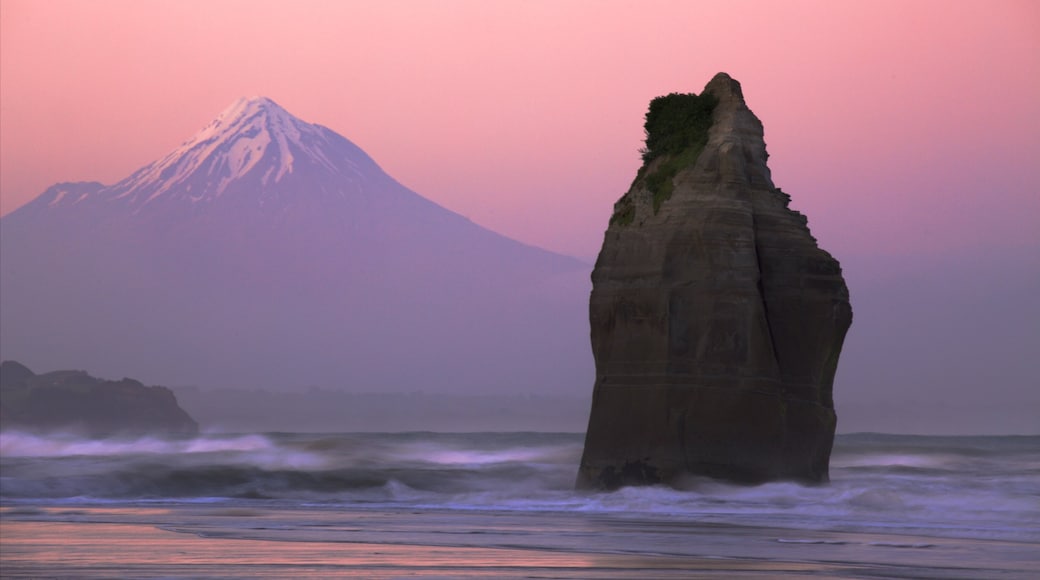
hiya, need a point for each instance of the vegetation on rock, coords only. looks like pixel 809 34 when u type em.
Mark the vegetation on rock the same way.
pixel 624 211
pixel 676 130
pixel 676 122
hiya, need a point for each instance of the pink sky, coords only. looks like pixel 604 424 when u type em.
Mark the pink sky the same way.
pixel 894 125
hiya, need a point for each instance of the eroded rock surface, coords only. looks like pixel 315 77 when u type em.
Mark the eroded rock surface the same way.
pixel 716 321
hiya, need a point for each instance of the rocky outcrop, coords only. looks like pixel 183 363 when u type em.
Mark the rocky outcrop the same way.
pixel 73 401
pixel 716 319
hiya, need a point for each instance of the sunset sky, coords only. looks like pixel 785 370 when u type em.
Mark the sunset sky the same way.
pixel 892 124
pixel 907 131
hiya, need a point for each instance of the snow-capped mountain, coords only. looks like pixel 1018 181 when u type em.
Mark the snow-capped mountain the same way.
pixel 252 148
pixel 254 153
pixel 268 251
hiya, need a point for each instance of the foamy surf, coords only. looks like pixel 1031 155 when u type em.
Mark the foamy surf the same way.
pixel 985 488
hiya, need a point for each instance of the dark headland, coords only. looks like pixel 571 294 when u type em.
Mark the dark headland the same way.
pixel 717 320
pixel 75 402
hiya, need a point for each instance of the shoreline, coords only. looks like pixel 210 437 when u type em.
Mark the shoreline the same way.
pixel 198 541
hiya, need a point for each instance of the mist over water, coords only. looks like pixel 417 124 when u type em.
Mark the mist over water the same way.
pixel 976 487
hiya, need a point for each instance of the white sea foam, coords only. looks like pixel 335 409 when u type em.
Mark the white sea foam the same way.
pixel 895 460
pixel 15 444
pixel 453 455
pixel 982 489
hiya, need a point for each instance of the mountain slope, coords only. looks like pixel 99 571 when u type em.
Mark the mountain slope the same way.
pixel 270 252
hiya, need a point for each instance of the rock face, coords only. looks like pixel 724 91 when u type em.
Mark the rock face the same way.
pixel 74 401
pixel 716 319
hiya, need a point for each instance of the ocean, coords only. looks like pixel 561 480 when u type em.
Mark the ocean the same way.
pixel 444 505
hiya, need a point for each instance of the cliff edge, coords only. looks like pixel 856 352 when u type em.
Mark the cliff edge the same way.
pixel 73 401
pixel 716 320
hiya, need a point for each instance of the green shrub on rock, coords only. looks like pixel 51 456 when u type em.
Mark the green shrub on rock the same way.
pixel 675 123
pixel 676 130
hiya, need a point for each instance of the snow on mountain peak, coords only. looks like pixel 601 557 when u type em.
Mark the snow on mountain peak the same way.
pixel 254 138
pixel 247 105
pixel 245 109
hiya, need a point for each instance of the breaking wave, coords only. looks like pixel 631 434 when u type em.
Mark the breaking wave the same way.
pixel 986 487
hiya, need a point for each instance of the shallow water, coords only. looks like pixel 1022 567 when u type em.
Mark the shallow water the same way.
pixel 918 506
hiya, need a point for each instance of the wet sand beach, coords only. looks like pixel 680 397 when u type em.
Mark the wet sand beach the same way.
pixel 221 542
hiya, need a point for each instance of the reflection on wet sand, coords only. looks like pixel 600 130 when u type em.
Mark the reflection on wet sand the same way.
pixel 278 543
pixel 109 550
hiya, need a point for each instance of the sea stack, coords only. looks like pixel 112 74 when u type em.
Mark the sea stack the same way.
pixel 716 319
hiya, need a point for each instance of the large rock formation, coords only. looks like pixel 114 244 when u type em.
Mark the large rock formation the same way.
pixel 73 401
pixel 716 319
